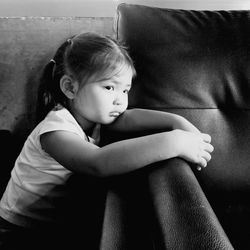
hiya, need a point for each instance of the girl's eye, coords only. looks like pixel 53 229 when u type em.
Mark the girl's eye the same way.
pixel 109 87
pixel 126 91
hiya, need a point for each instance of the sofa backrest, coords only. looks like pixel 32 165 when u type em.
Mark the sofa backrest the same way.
pixel 197 64
pixel 26 45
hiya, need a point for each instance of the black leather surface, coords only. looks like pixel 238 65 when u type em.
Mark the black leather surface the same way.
pixel 183 217
pixel 197 64
pixel 161 207
pixel 187 59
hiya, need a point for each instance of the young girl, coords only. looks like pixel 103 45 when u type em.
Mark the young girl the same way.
pixel 84 86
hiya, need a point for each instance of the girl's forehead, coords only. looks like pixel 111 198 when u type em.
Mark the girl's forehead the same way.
pixel 124 71
pixel 120 74
pixel 124 77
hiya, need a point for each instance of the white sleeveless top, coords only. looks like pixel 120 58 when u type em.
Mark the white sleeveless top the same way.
pixel 37 180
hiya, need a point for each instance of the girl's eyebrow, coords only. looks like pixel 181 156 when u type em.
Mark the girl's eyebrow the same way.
pixel 127 85
pixel 104 80
pixel 118 83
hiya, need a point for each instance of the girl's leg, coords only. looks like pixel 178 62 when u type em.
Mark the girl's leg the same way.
pixel 13 237
pixel 9 235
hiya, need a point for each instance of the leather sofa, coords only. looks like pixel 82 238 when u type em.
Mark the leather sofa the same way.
pixel 196 64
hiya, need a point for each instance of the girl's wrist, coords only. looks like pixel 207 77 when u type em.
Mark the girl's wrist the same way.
pixel 174 137
pixel 183 124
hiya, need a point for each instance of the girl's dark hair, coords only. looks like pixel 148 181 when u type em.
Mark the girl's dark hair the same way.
pixel 84 56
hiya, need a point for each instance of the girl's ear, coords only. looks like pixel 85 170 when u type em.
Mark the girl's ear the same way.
pixel 68 86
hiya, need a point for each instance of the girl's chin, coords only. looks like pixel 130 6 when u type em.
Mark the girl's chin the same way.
pixel 108 120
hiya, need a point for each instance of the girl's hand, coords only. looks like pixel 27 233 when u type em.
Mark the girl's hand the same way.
pixel 194 147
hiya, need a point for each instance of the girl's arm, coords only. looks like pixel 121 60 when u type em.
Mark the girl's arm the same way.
pixel 144 119
pixel 128 155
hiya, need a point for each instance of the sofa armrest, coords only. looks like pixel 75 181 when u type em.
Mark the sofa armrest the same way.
pixel 162 207
pixel 183 216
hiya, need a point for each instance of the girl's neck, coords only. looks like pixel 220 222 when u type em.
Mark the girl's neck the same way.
pixel 86 125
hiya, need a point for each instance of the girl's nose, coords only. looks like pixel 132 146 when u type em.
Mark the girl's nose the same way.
pixel 117 100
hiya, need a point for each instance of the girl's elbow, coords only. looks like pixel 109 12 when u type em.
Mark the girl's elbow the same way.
pixel 91 167
pixel 104 169
pixel 99 170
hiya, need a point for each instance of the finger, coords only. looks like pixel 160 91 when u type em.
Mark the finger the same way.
pixel 206 156
pixel 208 147
pixel 202 162
pixel 206 137
pixel 199 168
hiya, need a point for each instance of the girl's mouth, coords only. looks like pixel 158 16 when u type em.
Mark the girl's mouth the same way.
pixel 114 114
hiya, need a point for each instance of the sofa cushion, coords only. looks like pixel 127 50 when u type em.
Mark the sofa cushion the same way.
pixel 196 59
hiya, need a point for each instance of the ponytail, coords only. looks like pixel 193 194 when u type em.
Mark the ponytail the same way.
pixel 49 92
pixel 45 99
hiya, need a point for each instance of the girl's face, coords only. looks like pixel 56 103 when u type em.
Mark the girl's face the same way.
pixel 102 101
